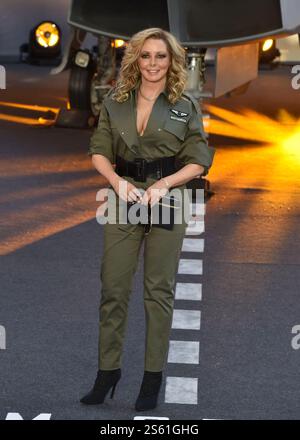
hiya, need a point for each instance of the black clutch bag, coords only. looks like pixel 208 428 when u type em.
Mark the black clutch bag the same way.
pixel 161 215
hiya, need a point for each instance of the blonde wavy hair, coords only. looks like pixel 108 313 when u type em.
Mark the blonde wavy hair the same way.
pixel 130 75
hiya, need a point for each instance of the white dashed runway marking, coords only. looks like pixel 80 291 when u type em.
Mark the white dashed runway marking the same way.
pixel 185 352
pixel 188 291
pixel 182 390
pixel 190 267
pixel 186 319
pixel 195 227
pixel 193 245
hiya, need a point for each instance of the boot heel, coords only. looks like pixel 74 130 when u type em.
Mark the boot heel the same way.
pixel 113 390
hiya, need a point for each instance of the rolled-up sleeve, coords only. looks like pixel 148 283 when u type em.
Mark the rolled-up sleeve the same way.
pixel 101 141
pixel 195 148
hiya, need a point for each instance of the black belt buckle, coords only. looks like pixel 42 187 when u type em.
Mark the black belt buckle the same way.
pixel 140 169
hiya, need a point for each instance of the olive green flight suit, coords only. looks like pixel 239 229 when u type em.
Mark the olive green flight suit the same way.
pixel 172 130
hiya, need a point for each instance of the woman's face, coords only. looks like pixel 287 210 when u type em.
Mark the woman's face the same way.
pixel 154 60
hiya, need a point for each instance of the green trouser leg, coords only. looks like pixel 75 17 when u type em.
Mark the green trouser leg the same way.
pixel 119 263
pixel 161 259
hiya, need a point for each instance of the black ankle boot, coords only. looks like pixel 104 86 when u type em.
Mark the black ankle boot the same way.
pixel 104 381
pixel 148 396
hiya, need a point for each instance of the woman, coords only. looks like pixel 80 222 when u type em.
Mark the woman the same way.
pixel 147 120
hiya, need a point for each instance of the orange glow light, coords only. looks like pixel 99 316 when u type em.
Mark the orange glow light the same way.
pixel 283 132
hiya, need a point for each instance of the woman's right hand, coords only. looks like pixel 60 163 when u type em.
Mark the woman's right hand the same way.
pixel 126 190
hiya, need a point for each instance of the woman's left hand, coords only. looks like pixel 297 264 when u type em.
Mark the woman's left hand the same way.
pixel 154 192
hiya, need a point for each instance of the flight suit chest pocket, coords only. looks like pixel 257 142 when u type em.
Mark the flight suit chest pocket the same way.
pixel 177 128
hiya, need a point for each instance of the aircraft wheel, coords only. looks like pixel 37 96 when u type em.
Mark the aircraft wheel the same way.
pixel 80 88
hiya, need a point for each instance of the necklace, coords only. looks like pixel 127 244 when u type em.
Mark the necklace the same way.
pixel 145 97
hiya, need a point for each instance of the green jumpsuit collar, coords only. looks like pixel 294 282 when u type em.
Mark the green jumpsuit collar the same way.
pixel 137 86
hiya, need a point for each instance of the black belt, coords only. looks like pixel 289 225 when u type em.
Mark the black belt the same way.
pixel 139 169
